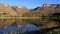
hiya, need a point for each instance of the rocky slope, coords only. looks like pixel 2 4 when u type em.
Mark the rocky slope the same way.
pixel 12 10
pixel 6 9
pixel 20 9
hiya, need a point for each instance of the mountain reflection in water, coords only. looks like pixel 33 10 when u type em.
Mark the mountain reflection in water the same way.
pixel 25 25
pixel 16 29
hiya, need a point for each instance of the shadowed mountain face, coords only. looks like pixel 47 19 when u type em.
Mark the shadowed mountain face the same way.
pixel 47 9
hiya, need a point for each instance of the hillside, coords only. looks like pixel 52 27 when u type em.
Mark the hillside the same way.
pixel 46 9
pixel 20 9
pixel 7 10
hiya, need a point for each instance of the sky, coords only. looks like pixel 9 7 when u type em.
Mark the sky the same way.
pixel 29 3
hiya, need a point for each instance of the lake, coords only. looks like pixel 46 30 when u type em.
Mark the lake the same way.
pixel 25 26
pixel 10 26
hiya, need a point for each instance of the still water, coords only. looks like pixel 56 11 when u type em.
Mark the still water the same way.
pixel 18 26
pixel 27 28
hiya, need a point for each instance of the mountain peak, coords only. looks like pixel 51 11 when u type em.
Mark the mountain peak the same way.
pixel 21 7
pixel 4 4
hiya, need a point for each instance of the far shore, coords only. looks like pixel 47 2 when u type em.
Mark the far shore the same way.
pixel 22 17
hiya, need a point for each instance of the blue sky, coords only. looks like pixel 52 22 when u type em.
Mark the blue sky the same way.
pixel 29 3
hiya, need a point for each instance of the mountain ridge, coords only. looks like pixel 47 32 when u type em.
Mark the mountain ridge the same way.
pixel 45 9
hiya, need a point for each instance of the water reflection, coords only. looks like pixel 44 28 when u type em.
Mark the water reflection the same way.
pixel 26 28
pixel 22 25
pixel 11 22
pixel 17 22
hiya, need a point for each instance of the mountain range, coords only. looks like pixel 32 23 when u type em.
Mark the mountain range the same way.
pixel 15 10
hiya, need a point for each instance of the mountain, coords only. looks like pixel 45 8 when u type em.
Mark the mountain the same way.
pixel 6 9
pixel 20 9
pixel 47 9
